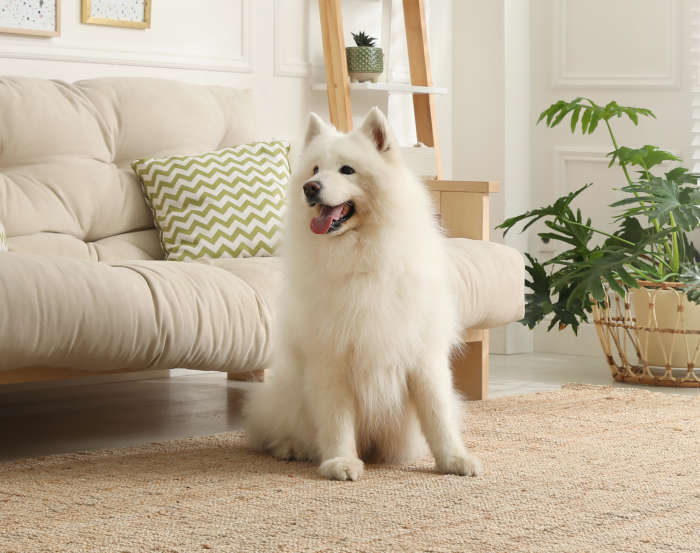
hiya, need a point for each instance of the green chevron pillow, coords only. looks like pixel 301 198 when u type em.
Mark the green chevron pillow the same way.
pixel 3 239
pixel 226 203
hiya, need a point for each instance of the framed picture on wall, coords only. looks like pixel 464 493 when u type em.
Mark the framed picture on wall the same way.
pixel 133 14
pixel 31 17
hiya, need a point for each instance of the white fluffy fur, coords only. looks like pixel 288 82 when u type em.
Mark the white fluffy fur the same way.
pixel 361 369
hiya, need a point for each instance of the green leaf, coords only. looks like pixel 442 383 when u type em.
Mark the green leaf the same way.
pixel 546 237
pixel 562 113
pixel 632 115
pixel 558 209
pixel 363 39
pixel 595 117
pixel 630 230
pixel 553 110
pixel 537 302
pixel 691 277
pixel 592 113
pixel 574 118
pixel 585 120
pixel 662 200
pixel 645 157
pixel 681 175
pixel 590 274
pixel 568 311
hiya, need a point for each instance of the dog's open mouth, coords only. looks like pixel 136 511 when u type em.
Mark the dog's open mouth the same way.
pixel 331 218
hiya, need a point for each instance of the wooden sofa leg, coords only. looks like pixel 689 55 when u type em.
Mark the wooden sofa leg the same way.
pixel 250 376
pixel 470 369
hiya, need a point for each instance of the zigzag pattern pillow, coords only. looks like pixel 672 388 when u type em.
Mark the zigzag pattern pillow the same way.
pixel 226 203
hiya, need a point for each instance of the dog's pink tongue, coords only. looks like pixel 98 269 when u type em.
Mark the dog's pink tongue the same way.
pixel 321 224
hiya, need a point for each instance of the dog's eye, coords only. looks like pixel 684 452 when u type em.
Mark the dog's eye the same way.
pixel 315 169
pixel 347 170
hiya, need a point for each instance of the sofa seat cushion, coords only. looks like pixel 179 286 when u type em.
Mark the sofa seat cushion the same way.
pixel 140 244
pixel 65 312
pixel 211 315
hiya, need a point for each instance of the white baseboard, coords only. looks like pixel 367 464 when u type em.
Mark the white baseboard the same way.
pixel 510 339
pixel 565 341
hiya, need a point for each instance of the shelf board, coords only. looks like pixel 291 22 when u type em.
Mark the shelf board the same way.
pixel 479 187
pixel 404 88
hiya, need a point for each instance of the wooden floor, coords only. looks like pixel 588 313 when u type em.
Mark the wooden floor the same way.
pixel 70 418
pixel 44 419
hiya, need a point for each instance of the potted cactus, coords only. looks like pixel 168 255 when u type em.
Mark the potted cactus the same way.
pixel 365 61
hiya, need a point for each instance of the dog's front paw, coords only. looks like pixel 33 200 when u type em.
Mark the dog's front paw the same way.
pixel 284 451
pixel 342 468
pixel 464 464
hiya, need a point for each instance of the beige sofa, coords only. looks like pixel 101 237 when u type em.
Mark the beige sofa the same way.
pixel 84 286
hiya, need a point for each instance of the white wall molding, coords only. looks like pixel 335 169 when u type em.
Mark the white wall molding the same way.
pixel 564 154
pixel 563 77
pixel 60 51
pixel 561 156
pixel 285 67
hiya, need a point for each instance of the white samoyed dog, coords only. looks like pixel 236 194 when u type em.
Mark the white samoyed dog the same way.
pixel 361 369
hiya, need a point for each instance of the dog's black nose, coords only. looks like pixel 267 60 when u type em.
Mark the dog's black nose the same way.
pixel 311 190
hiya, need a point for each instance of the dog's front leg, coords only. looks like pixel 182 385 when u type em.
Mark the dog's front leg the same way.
pixel 335 422
pixel 435 401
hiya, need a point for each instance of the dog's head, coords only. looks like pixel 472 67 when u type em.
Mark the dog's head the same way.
pixel 341 173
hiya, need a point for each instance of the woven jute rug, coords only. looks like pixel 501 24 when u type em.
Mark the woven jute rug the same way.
pixel 591 469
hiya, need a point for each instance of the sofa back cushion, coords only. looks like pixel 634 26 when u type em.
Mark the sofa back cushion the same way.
pixel 66 185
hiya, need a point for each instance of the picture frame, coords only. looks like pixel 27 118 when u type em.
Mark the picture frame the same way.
pixel 94 12
pixel 31 16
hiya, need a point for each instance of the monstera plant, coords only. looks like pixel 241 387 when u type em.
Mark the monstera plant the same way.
pixel 649 246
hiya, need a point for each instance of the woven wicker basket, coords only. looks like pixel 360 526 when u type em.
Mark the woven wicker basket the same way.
pixel 651 335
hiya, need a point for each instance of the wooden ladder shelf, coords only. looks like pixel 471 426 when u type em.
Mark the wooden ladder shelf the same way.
pixel 338 82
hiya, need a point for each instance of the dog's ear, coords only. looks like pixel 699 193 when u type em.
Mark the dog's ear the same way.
pixel 376 128
pixel 315 127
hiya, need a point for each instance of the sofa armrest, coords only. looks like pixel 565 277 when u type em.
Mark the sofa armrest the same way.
pixel 463 209
pixel 463 206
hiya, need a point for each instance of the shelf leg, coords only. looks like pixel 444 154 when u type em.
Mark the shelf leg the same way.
pixel 336 64
pixel 419 62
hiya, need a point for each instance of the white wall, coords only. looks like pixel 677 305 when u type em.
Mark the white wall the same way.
pixel 230 43
pixel 271 46
pixel 478 90
pixel 631 51
pixel 492 118
pixel 516 338
pixel 513 58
